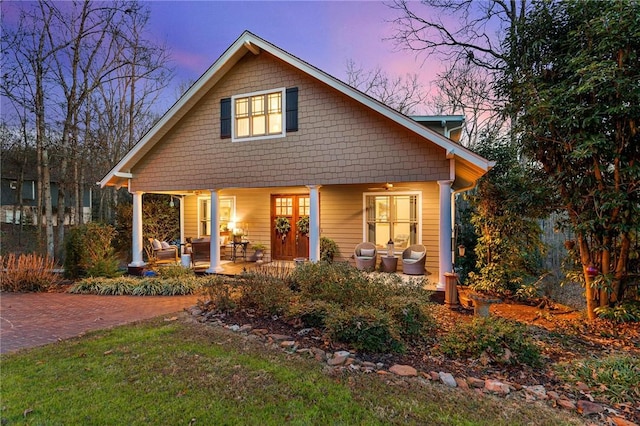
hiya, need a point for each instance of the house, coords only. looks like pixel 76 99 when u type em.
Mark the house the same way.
pixel 263 135
pixel 10 188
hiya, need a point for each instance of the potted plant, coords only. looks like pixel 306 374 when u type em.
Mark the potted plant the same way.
pixel 237 235
pixel 259 250
pixel 328 249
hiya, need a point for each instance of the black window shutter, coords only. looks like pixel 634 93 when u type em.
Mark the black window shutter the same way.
pixel 225 118
pixel 292 109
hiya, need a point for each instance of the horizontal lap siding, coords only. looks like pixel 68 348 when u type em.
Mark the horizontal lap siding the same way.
pixel 341 216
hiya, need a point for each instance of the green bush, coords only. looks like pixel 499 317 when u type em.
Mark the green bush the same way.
pixel 413 318
pixel 627 311
pixel 147 286
pixel 221 292
pixel 313 313
pixel 328 249
pixel 266 293
pixel 174 271
pixel 498 340
pixel 366 329
pixel 27 272
pixel 615 377
pixel 88 252
pixel 338 283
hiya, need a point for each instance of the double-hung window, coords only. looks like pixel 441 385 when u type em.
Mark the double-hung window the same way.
pixel 258 115
pixel 392 217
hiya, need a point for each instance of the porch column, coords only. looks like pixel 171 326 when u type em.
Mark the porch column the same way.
pixel 182 240
pixel 314 222
pixel 136 231
pixel 445 256
pixel 214 254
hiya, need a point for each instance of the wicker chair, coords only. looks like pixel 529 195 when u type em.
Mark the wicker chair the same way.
pixel 366 256
pixel 413 259
pixel 163 253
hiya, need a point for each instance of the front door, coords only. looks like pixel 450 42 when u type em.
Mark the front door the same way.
pixel 295 242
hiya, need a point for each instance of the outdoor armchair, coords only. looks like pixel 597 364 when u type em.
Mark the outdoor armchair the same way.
pixel 163 252
pixel 413 259
pixel 366 255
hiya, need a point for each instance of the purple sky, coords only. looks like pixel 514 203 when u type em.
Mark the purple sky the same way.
pixel 324 33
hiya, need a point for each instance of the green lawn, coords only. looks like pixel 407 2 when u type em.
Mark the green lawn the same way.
pixel 174 373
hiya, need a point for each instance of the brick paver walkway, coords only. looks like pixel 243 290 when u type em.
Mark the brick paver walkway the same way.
pixel 34 319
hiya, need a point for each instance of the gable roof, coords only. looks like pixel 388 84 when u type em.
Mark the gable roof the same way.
pixel 469 166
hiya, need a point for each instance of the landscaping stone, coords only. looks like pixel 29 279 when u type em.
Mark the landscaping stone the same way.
pixel 403 370
pixel 537 391
pixel 496 386
pixel 566 404
pixel 279 337
pixel 583 387
pixel 462 383
pixel 447 379
pixel 434 376
pixel 475 383
pixel 288 344
pixel 587 407
pixel 336 360
pixel 245 328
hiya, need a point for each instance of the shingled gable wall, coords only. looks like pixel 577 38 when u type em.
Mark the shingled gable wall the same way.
pixel 339 141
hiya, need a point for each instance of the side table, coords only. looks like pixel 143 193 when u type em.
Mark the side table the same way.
pixel 389 263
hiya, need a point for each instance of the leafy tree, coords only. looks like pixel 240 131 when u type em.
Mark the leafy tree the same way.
pixel 506 205
pixel 573 82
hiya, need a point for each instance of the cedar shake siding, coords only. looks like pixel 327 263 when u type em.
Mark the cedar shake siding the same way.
pixel 338 141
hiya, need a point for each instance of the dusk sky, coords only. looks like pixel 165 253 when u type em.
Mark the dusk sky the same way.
pixel 326 34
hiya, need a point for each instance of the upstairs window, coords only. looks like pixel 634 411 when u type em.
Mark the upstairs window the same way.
pixel 258 115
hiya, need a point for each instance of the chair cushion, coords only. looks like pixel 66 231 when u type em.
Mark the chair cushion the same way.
pixel 156 244
pixel 410 261
pixel 364 257
pixel 415 255
pixel 165 245
pixel 367 252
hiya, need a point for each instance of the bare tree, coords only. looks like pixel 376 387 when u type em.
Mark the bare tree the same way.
pixel 470 37
pixel 62 55
pixel 401 94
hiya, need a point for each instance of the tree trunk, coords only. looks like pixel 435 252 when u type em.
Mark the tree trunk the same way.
pixel 585 258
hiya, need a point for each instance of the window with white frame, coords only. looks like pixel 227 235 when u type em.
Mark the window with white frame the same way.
pixel 227 212
pixel 258 115
pixel 392 217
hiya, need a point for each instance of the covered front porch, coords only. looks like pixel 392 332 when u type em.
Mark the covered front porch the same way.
pixel 406 213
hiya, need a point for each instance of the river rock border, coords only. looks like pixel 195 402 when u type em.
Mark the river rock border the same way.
pixel 341 361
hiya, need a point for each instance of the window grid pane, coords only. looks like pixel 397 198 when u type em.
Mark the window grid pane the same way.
pixel 392 217
pixel 259 115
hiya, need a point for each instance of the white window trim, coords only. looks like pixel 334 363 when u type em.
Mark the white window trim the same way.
pixel 394 193
pixel 283 90
pixel 203 198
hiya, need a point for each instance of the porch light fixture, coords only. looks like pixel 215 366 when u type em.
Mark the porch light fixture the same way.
pixel 171 203
pixel 390 247
pixel 461 250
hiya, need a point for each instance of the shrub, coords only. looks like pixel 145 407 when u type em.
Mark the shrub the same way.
pixel 328 249
pixel 221 292
pixel 338 283
pixel 366 329
pixel 266 293
pixel 313 313
pixel 616 377
pixel 412 318
pixel 27 272
pixel 175 271
pixel 88 252
pixel 627 311
pixel 499 340
pixel 136 286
